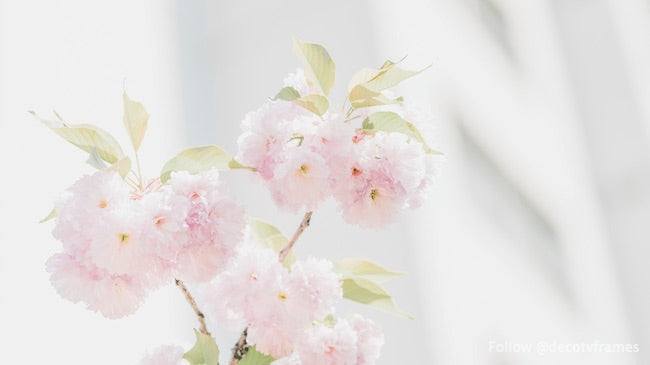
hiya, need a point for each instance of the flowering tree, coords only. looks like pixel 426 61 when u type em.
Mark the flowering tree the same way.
pixel 124 235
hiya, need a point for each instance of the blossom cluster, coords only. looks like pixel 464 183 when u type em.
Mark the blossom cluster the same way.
pixel 118 244
pixel 284 310
pixel 303 158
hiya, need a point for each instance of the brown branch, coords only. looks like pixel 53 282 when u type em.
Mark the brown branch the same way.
pixel 303 225
pixel 190 299
pixel 241 347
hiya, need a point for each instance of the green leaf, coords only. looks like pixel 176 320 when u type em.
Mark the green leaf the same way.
pixel 372 294
pixel 87 137
pixel 366 86
pixel 317 104
pixel 123 166
pixel 392 122
pixel 365 268
pixel 361 97
pixel 197 159
pixel 234 164
pixel 319 67
pixel 204 352
pixel 254 357
pixel 53 214
pixel 95 160
pixel 135 119
pixel 287 93
pixel 390 76
pixel 269 236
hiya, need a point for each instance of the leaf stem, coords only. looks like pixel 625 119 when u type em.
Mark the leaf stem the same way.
pixel 241 347
pixel 194 306
pixel 137 162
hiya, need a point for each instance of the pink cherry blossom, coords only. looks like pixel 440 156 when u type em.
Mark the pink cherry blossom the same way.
pixel 301 181
pixel 323 345
pixel 370 339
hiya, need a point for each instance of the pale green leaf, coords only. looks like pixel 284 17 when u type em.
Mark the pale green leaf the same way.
pixel 254 357
pixel 135 120
pixel 365 88
pixel 123 166
pixel 368 292
pixel 234 164
pixel 317 104
pixel 392 122
pixel 287 93
pixel 361 77
pixel 390 76
pixel 268 235
pixel 365 268
pixel 195 160
pixel 53 214
pixel 318 64
pixel 204 352
pixel 95 160
pixel 87 137
pixel 361 97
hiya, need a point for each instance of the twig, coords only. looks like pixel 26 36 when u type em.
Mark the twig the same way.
pixel 303 225
pixel 241 347
pixel 192 302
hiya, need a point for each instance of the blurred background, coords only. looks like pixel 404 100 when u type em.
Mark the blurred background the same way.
pixel 538 227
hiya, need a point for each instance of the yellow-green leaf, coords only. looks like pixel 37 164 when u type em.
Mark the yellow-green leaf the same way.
pixel 204 352
pixel 365 88
pixel 53 214
pixel 361 97
pixel 319 67
pixel 123 166
pixel 269 236
pixel 195 160
pixel 135 120
pixel 317 104
pixel 234 164
pixel 368 292
pixel 390 76
pixel 95 160
pixel 87 137
pixel 365 268
pixel 254 357
pixel 392 122
pixel 287 93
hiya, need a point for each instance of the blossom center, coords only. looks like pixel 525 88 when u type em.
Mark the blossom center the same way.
pixel 124 238
pixel 304 168
pixel 103 204
pixel 282 296
pixel 374 193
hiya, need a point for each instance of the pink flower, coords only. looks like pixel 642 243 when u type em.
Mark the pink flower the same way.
pixel 213 225
pixel 370 339
pixel 165 355
pixel 319 286
pixel 114 296
pixel 323 345
pixel 301 181
pixel 257 291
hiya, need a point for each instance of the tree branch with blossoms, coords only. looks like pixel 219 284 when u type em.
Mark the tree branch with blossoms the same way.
pixel 190 299
pixel 241 346
pixel 122 239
